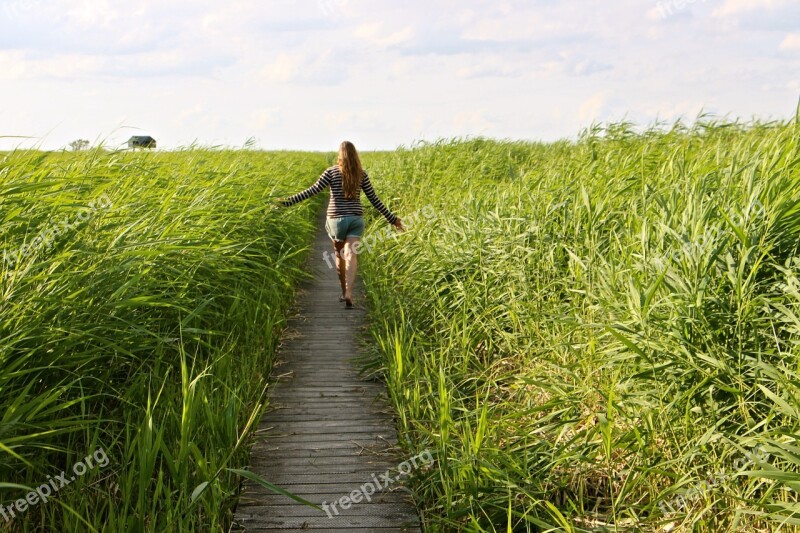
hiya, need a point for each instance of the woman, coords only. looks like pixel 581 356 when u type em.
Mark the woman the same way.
pixel 345 217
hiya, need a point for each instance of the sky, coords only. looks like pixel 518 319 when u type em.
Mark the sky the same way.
pixel 307 74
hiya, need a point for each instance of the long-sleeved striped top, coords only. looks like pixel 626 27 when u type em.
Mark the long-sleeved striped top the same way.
pixel 339 206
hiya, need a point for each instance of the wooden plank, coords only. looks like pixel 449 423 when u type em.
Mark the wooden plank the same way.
pixel 334 450
pixel 328 431
pixel 375 425
pixel 332 416
pixel 301 392
pixel 347 463
pixel 283 436
pixel 345 482
pixel 382 509
pixel 316 493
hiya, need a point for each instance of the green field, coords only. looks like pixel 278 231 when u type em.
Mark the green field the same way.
pixel 589 335
pixel 143 327
pixel 600 335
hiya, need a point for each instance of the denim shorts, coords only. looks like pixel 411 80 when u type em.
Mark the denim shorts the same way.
pixel 342 227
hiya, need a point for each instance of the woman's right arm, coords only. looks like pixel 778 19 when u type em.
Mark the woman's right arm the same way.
pixel 323 182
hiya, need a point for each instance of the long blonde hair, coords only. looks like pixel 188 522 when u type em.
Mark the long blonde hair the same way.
pixel 351 169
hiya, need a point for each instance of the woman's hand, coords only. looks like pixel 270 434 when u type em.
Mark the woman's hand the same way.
pixel 398 225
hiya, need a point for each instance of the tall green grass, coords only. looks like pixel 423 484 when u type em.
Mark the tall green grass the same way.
pixel 146 328
pixel 597 335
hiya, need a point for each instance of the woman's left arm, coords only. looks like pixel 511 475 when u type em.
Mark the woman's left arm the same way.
pixel 323 182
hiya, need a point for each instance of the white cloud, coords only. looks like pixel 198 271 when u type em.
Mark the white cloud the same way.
pixel 378 34
pixel 571 65
pixel 315 68
pixel 265 117
pixel 593 108
pixel 737 7
pixel 12 64
pixel 472 122
pixel 791 43
pixel 503 24
pixel 285 68
pixel 333 9
pixel 671 111
pixel 495 66
pixel 93 13
pixel 17 65
pixel 188 116
pixel 656 13
pixel 587 66
pixel 338 120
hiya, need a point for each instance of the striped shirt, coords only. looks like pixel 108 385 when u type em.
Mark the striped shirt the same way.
pixel 339 206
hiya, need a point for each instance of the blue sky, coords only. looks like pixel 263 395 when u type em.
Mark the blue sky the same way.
pixel 306 74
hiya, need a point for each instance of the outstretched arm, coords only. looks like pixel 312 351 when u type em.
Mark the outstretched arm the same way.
pixel 323 182
pixel 376 202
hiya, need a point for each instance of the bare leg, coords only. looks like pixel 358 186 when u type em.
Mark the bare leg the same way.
pixel 338 246
pixel 351 261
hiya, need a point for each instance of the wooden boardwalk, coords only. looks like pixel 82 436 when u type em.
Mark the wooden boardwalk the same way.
pixel 328 434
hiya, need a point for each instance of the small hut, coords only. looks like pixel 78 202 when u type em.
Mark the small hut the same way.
pixel 141 141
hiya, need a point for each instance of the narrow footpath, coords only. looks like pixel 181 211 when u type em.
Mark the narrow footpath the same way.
pixel 328 435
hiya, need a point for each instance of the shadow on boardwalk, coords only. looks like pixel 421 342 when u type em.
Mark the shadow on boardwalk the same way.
pixel 327 433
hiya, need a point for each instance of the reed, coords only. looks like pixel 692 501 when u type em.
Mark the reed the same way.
pixel 597 335
pixel 145 325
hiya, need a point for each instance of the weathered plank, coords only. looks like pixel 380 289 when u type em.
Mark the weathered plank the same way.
pixel 328 433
